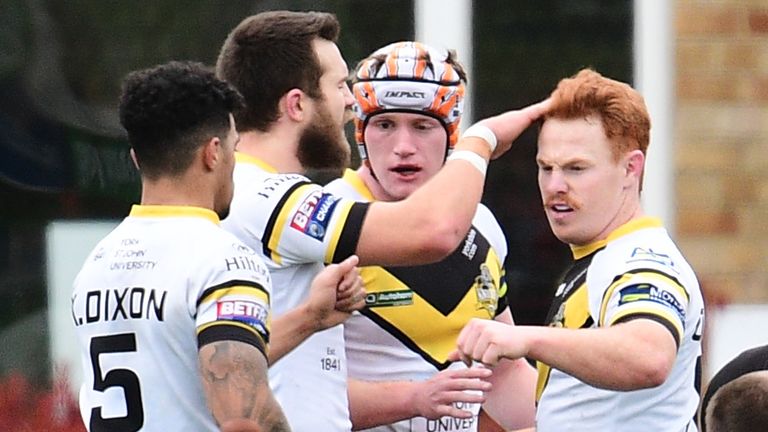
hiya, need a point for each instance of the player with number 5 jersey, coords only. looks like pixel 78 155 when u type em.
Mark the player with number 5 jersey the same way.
pixel 143 307
pixel 172 312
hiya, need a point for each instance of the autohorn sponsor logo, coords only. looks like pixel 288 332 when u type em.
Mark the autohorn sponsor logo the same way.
pixel 389 298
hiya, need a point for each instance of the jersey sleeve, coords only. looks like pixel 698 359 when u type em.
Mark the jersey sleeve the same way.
pixel 649 287
pixel 303 223
pixel 233 302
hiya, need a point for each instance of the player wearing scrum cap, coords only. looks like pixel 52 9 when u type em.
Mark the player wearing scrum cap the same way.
pixel 409 104
pixel 293 78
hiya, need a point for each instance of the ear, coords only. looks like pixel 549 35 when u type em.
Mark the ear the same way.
pixel 210 153
pixel 295 104
pixel 135 161
pixel 634 165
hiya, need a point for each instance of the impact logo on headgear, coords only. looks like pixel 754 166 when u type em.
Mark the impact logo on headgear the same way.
pixel 405 94
pixel 404 97
pixel 409 76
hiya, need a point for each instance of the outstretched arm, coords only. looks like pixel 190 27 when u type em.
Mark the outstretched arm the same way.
pixel 335 293
pixel 628 356
pixel 431 222
pixel 380 403
pixel 234 376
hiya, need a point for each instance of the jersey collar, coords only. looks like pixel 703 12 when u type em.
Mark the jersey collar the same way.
pixel 156 211
pixel 248 159
pixel 353 178
pixel 627 228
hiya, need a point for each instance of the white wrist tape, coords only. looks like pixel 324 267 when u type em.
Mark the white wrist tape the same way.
pixel 484 132
pixel 475 159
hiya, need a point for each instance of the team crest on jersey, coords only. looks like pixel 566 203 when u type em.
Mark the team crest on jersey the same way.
pixel 486 291
pixel 647 292
pixel 251 313
pixel 559 319
pixel 239 247
pixel 313 214
pixel 641 254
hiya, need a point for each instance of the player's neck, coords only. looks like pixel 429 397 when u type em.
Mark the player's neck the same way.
pixel 177 191
pixel 378 192
pixel 276 148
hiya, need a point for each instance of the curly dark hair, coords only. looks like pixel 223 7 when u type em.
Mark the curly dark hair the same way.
pixel 269 54
pixel 170 110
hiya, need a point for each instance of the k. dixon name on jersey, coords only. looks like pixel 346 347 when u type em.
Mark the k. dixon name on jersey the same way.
pixel 119 304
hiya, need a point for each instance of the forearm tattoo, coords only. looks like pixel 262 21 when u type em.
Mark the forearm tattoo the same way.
pixel 234 376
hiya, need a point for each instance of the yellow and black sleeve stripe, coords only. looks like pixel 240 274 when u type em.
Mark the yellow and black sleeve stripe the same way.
pixel 350 234
pixel 230 330
pixel 278 218
pixel 667 320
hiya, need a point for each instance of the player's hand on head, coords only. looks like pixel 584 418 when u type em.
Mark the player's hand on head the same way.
pixel 324 292
pixel 508 126
pixel 437 397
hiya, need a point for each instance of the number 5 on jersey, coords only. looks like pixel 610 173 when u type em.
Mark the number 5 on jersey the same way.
pixel 124 378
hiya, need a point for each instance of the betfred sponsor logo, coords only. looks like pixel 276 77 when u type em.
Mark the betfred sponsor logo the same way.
pixel 313 214
pixel 324 207
pixel 248 312
pixel 304 212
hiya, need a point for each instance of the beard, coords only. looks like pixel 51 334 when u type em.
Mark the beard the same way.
pixel 323 145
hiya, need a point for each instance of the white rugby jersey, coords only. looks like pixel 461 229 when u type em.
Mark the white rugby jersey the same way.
pixel 167 280
pixel 637 272
pixel 413 315
pixel 298 227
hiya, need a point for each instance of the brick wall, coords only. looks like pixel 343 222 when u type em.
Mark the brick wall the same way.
pixel 721 137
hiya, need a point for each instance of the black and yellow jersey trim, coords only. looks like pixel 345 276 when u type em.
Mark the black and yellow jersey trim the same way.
pixel 570 309
pixel 138 210
pixel 343 239
pixel 648 276
pixel 435 301
pixel 236 286
pixel 629 227
pixel 248 159
pixel 357 183
pixel 349 236
pixel 229 329
pixel 277 220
